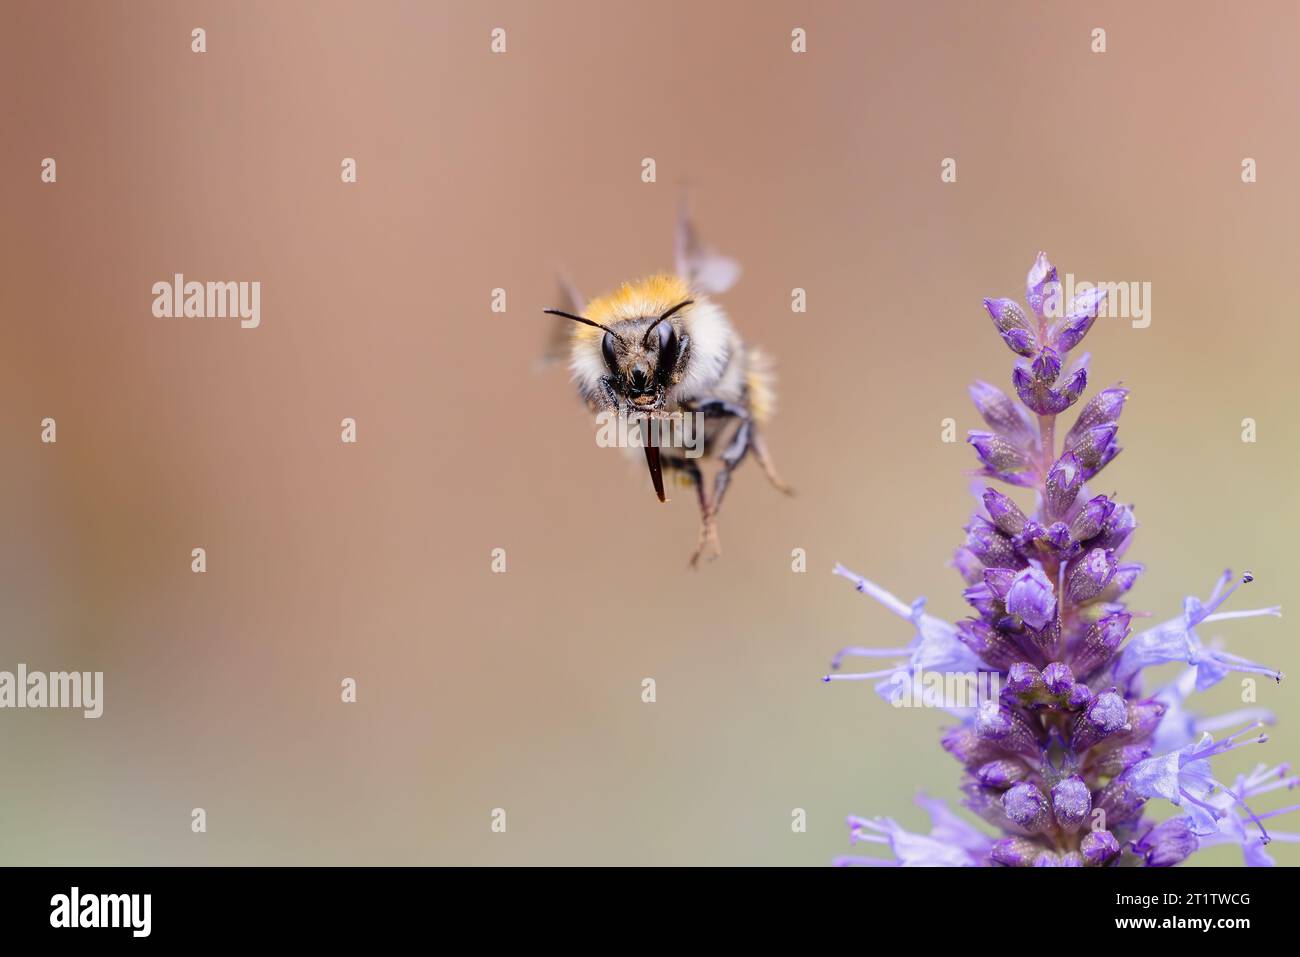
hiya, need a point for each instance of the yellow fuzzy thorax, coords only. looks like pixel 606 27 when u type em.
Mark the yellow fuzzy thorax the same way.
pixel 652 296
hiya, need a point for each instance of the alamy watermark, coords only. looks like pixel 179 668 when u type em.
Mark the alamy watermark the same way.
pixel 130 911
pixel 1120 300
pixel 672 430
pixel 212 300
pixel 944 689
pixel 54 689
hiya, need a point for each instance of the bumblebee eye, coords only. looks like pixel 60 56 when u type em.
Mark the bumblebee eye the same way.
pixel 607 349
pixel 667 350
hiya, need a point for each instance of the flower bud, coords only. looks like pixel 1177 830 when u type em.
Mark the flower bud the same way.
pixel 1071 802
pixel 1104 408
pixel 1120 802
pixel 1117 528
pixel 1040 397
pixel 997 453
pixel 1092 445
pixel 1088 575
pixel 1015 852
pixel 992 646
pixel 1144 717
pixel 1007 729
pixel 967 747
pixel 1082 313
pixel 1027 807
pixel 981 598
pixel 998 581
pixel 1046 366
pixel 1099 848
pixel 1041 284
pixel 1023 678
pixel 1106 715
pixel 990 546
pixel 1005 513
pixel 1126 574
pixel 968 566
pixel 1101 641
pixel 1002 773
pixel 1058 536
pixel 1167 844
pixel 1013 325
pixel 1089 519
pixel 1064 479
pixel 1118 760
pixel 1032 598
pixel 1047 640
pixel 1004 415
pixel 1057 678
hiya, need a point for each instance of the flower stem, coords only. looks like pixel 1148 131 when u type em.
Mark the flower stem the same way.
pixel 1047 433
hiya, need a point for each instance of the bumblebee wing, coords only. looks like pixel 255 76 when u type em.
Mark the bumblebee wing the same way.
pixel 703 267
pixel 556 348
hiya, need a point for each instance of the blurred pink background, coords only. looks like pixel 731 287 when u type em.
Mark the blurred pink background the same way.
pixel 477 171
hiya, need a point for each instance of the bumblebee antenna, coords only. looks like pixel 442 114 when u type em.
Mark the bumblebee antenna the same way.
pixel 568 315
pixel 666 315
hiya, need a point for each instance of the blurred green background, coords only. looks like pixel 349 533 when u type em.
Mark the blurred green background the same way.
pixel 478 171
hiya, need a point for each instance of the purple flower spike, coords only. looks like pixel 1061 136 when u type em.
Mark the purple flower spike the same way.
pixel 1068 737
pixel 1032 598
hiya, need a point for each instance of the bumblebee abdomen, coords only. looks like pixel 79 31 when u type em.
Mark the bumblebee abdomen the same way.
pixel 760 385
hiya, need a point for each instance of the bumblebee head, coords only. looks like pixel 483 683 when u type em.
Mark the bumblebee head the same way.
pixel 640 354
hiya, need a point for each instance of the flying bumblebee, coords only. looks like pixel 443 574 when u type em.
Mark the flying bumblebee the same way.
pixel 659 347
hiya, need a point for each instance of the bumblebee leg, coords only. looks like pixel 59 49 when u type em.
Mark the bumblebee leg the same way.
pixel 676 463
pixel 708 541
pixel 731 458
pixel 765 463
pixel 720 408
pixel 708 527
